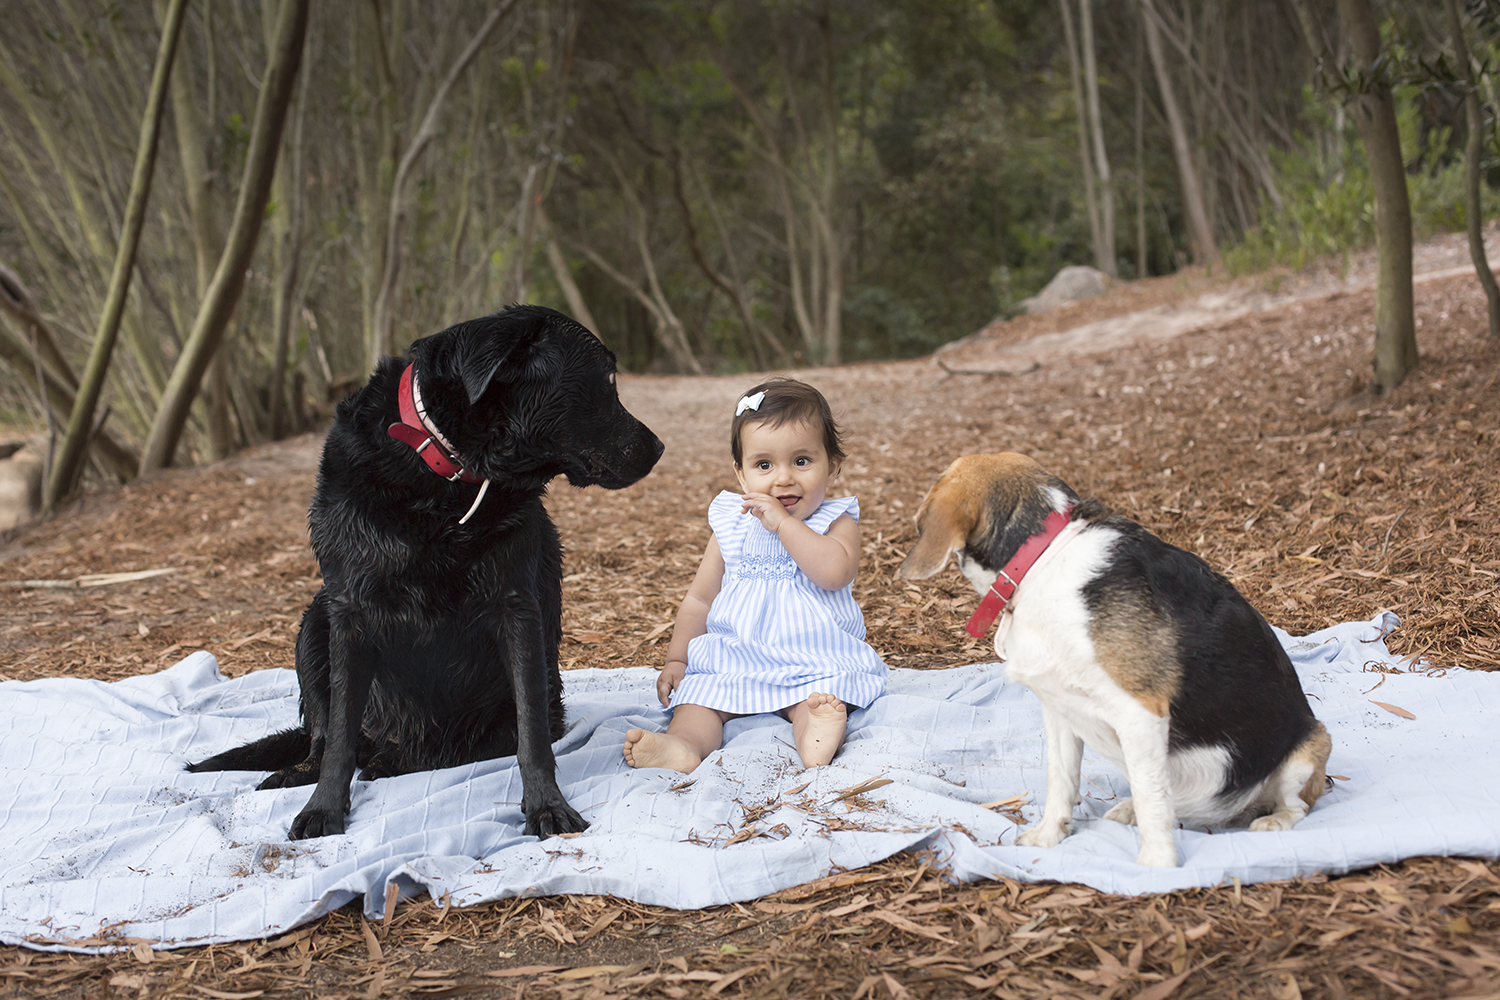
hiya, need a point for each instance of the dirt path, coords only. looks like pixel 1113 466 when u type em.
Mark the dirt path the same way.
pixel 1129 320
pixel 1245 441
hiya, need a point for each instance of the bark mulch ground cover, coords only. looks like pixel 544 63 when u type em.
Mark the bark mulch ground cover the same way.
pixel 1249 442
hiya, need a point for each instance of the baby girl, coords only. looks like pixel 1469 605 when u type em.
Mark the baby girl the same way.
pixel 769 623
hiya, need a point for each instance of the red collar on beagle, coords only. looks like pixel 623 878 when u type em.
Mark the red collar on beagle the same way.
pixel 1032 551
pixel 1134 647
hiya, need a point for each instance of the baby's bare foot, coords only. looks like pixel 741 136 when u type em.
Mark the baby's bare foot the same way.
pixel 826 721
pixel 648 749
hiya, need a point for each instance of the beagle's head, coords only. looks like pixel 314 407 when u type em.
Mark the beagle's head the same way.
pixel 982 509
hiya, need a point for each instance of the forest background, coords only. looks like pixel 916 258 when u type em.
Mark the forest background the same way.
pixel 711 186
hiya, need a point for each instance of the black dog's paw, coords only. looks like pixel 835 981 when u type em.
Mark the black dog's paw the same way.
pixel 551 817
pixel 290 777
pixel 384 763
pixel 311 823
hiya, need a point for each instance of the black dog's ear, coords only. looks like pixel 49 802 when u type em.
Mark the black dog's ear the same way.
pixel 511 340
pixel 511 337
pixel 480 361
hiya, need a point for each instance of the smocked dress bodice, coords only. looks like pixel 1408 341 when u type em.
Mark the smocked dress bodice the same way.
pixel 774 636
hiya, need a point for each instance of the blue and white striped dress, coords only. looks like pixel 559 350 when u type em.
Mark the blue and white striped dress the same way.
pixel 774 637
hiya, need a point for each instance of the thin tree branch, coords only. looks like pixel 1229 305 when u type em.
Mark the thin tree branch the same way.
pixel 425 132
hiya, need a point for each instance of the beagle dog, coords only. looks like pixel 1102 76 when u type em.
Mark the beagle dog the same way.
pixel 1134 647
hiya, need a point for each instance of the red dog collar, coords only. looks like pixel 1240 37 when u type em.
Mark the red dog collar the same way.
pixel 1004 587
pixel 418 432
pixel 414 430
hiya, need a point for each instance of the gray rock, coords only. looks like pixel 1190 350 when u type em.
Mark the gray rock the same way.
pixel 1068 285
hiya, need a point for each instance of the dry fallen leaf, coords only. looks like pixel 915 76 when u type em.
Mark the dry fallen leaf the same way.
pixel 1014 800
pixel 523 970
pixel 864 786
pixel 1393 709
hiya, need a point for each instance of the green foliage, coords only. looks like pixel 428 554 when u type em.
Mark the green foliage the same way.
pixel 882 322
pixel 1329 203
pixel 1328 208
pixel 968 173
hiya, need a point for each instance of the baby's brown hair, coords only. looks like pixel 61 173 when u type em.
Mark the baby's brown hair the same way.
pixel 787 400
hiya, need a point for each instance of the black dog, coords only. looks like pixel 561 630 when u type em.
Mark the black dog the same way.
pixel 433 641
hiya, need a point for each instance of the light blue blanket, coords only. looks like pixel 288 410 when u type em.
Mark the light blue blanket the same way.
pixel 103 833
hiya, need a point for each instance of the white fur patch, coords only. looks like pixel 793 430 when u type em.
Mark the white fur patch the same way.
pixel 1198 776
pixel 1051 651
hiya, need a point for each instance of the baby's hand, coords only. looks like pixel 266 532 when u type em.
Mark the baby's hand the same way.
pixel 671 676
pixel 766 508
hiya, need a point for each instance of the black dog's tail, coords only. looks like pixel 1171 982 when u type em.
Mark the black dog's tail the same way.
pixel 270 753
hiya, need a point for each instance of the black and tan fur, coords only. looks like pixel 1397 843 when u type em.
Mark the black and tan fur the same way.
pixel 1138 649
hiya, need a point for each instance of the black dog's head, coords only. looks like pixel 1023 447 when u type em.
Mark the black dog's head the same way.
pixel 527 394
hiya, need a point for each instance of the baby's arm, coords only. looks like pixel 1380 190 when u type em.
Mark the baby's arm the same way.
pixel 692 618
pixel 830 560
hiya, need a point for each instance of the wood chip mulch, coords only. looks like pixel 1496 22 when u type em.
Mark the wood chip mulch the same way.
pixel 1251 442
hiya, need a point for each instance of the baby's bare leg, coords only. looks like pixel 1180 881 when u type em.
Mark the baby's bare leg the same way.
pixel 818 726
pixel 694 733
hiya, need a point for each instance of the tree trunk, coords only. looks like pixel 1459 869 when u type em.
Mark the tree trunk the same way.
pixel 1101 159
pixel 669 330
pixel 526 222
pixel 197 180
pixel 289 254
pixel 1375 116
pixel 218 304
pixel 1473 151
pixel 831 239
pixel 1080 106
pixel 375 165
pixel 216 399
pixel 384 302
pixel 806 196
pixel 1140 159
pixel 69 463
pixel 1243 149
pixel 1201 234
pixel 206 220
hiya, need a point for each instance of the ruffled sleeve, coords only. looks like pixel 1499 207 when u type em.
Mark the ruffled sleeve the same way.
pixel 724 519
pixel 822 519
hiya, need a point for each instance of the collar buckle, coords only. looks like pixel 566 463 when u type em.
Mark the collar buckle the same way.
pixel 418 433
pixel 1012 573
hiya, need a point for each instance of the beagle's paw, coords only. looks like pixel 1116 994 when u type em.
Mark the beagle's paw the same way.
pixel 1158 855
pixel 1045 834
pixel 1281 819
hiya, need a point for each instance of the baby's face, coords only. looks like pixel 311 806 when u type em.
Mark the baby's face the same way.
pixel 787 462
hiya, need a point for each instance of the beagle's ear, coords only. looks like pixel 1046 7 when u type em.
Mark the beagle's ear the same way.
pixel 944 523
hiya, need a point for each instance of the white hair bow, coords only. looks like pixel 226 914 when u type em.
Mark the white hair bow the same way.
pixel 749 403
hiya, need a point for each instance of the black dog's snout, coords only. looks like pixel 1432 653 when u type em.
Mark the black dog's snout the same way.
pixel 656 448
